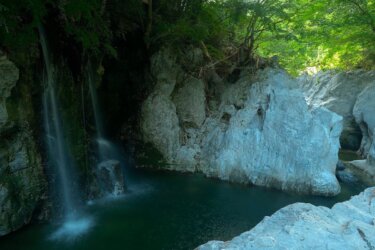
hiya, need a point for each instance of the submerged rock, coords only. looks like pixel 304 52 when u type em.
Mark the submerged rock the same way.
pixel 258 130
pixel 348 225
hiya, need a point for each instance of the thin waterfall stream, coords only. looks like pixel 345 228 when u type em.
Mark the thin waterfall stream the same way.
pixel 56 145
pixel 109 166
pixel 58 154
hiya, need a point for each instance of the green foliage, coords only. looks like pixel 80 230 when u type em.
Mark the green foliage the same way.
pixel 302 33
pixel 185 22
pixel 326 34
pixel 18 21
pixel 92 24
pixel 86 23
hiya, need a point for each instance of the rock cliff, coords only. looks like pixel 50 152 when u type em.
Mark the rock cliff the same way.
pixel 349 94
pixel 258 130
pixel 22 182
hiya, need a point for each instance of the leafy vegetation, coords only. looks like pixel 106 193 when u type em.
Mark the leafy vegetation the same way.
pixel 301 33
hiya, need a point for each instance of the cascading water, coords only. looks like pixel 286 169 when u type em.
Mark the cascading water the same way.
pixel 56 145
pixel 58 154
pixel 109 169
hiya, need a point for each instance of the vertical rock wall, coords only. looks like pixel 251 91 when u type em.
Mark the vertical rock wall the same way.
pixel 257 130
pixel 22 181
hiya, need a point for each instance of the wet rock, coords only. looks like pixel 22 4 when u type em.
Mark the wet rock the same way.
pixel 348 225
pixel 22 182
pixel 111 179
pixel 346 176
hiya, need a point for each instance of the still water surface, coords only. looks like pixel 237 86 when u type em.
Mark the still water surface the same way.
pixel 168 211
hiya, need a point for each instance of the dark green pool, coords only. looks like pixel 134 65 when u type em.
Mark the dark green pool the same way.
pixel 169 211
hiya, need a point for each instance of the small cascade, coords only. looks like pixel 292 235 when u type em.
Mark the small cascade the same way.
pixel 58 154
pixel 57 150
pixel 110 176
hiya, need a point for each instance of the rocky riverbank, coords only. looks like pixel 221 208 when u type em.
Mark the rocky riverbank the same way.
pixel 258 129
pixel 348 225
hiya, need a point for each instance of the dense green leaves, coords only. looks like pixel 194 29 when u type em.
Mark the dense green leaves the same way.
pixel 302 33
pixel 326 34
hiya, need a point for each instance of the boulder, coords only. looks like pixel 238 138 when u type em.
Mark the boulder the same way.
pixel 259 130
pixel 272 142
pixel 111 179
pixel 339 92
pixel 160 125
pixel 348 225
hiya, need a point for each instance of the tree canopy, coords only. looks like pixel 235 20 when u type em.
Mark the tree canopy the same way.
pixel 320 34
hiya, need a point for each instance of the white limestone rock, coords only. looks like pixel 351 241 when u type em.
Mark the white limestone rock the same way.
pixel 275 140
pixel 159 125
pixel 260 131
pixel 338 92
pixel 364 113
pixel 190 102
pixel 348 225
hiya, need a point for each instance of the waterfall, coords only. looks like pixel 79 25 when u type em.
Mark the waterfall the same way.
pixel 74 222
pixel 105 150
pixel 57 150
pixel 108 167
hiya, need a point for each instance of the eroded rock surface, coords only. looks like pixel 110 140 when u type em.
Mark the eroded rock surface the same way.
pixel 22 182
pixel 258 130
pixel 348 225
pixel 349 94
pixel 364 113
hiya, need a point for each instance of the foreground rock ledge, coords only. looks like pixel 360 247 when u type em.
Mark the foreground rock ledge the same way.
pixel 348 225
